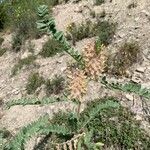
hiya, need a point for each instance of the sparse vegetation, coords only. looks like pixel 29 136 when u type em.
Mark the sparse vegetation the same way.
pixel 2 51
pixel 79 32
pixel 103 29
pixel 51 48
pixel 34 81
pixel 23 62
pixel 127 55
pixel 55 86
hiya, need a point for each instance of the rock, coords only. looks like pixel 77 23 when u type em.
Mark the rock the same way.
pixel 140 69
pixel 129 97
pixel 16 91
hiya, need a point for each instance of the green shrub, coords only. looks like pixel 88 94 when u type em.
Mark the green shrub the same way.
pixel 23 62
pixel 119 129
pixel 17 42
pixel 2 51
pixel 105 32
pixel 51 48
pixel 55 86
pixel 34 81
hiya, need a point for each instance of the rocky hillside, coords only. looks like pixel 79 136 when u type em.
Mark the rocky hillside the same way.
pixel 132 26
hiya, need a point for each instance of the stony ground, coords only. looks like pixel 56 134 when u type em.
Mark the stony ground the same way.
pixel 132 24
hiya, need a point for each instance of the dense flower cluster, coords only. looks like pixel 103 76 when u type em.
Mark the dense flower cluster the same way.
pixel 77 83
pixel 94 60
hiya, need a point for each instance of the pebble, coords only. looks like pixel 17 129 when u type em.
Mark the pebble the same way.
pixel 129 97
pixel 140 69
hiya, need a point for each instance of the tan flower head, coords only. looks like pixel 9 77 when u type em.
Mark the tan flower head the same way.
pixel 77 83
pixel 94 61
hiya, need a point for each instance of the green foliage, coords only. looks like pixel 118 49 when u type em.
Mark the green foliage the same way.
pixel 99 2
pixel 105 32
pixel 34 81
pixel 51 48
pixel 1 40
pixel 67 119
pixel 55 86
pixel 41 126
pixel 2 51
pixel 118 128
pixel 128 54
pixel 23 62
pixel 47 23
pixel 3 15
pixel 33 101
pixel 79 32
pixel 106 125
pixel 90 114
pixel 130 87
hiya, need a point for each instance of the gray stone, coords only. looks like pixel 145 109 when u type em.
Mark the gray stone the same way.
pixel 140 69
pixel 129 97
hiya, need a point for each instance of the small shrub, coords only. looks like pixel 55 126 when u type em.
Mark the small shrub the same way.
pixel 103 29
pixel 99 2
pixel 23 62
pixel 17 42
pixel 55 86
pixel 105 32
pixel 2 51
pixel 79 32
pixel 34 81
pixel 1 40
pixel 127 55
pixel 51 48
